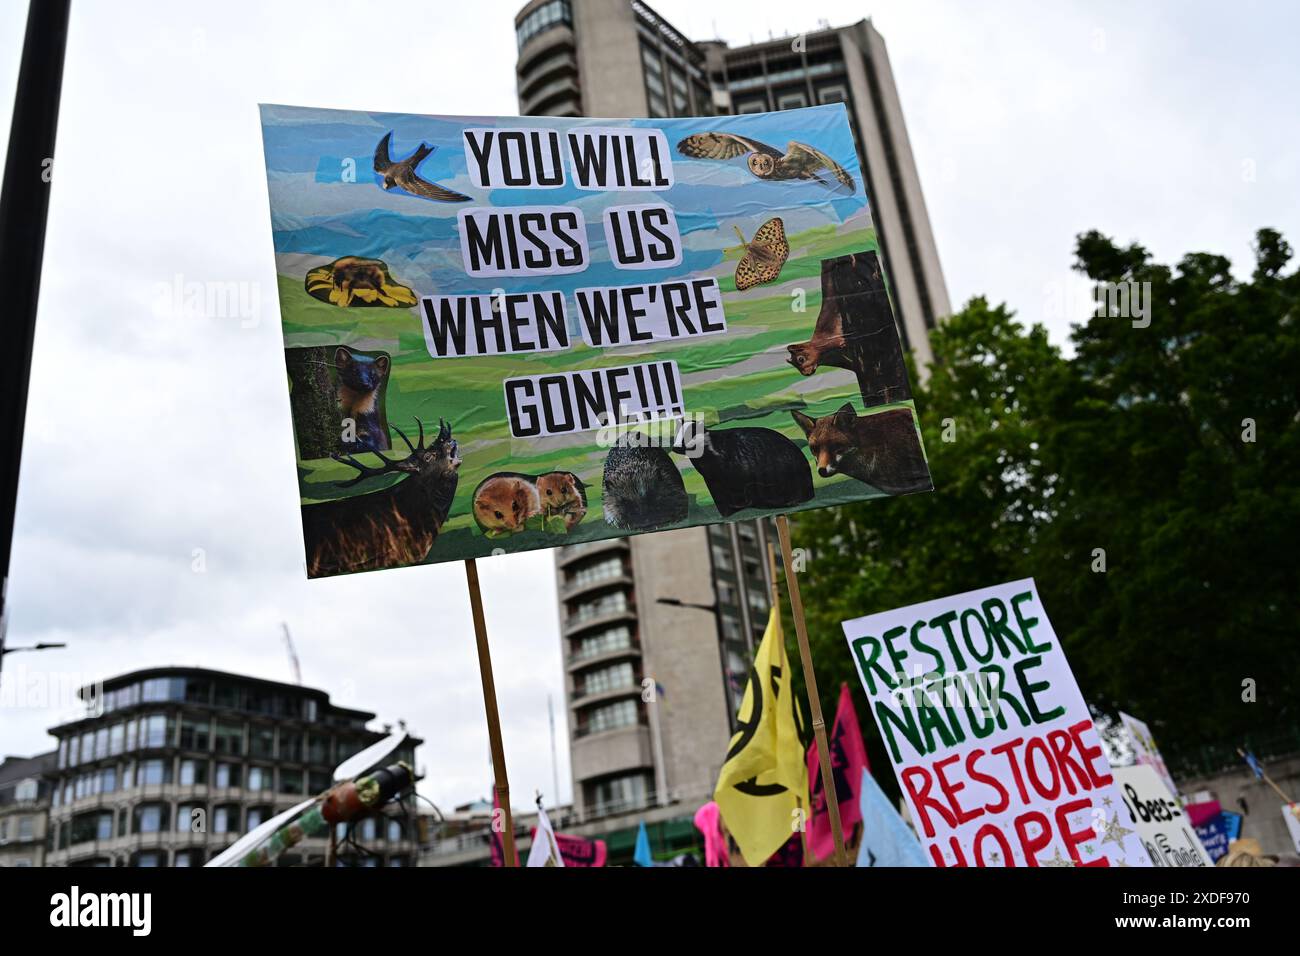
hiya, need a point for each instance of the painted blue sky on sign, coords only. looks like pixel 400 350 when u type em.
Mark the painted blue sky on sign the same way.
pixel 318 212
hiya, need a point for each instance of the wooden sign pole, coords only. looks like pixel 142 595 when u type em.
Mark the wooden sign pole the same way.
pixel 810 683
pixel 501 781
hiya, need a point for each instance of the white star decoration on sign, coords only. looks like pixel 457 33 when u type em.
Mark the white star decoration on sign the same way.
pixel 1115 831
pixel 1058 860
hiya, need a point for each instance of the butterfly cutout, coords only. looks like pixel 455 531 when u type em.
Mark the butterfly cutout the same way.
pixel 764 255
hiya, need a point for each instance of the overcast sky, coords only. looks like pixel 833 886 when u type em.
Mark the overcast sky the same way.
pixel 154 431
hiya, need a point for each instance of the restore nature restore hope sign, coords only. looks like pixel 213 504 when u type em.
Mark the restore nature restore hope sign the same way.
pixel 989 736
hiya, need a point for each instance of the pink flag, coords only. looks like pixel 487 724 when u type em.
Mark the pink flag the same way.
pixel 498 842
pixel 708 820
pixel 577 851
pixel 848 760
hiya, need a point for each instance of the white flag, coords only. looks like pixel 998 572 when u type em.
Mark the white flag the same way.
pixel 545 851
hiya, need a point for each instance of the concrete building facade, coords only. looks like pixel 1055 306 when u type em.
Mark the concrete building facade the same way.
pixel 653 687
pixel 171 765
pixel 25 790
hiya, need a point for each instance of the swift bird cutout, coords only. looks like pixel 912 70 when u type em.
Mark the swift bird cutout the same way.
pixel 403 175
pixel 764 255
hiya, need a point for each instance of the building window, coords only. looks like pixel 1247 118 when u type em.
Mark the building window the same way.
pixel 226 695
pixel 108 780
pixel 187 814
pixel 752 106
pixel 96 825
pixel 291 746
pixel 394 831
pixel 832 94
pixel 791 101
pixel 291 781
pixel 148 858
pixel 617 677
pixel 155 731
pixel 605 642
pixel 88 746
pixel 150 818
pixel 116 739
pixel 225 818
pixel 194 734
pixel 599 571
pixel 257 816
pixel 606 604
pixel 193 772
pixel 542 19
pixel 228 775
pixel 24 828
pixel 619 794
pixel 229 738
pixel 318 781
pixel 191 858
pixel 154 772
pixel 612 716
pixel 259 778
pixel 262 742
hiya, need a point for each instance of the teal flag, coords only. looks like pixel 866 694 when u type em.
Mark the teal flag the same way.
pixel 641 856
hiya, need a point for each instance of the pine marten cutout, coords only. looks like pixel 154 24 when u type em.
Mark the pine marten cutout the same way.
pixel 393 526
pixel 510 502
pixel 337 396
pixel 855 330
pixel 357 281
pixel 883 450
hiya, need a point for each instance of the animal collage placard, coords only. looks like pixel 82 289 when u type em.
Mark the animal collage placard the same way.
pixel 517 333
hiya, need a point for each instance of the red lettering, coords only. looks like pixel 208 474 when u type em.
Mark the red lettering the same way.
pixel 1089 754
pixel 1004 798
pixel 1031 845
pixel 921 799
pixel 991 830
pixel 1008 748
pixel 1061 743
pixel 1047 793
pixel 950 790
pixel 1074 837
pixel 959 855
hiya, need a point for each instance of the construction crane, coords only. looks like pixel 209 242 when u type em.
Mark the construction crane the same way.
pixel 293 655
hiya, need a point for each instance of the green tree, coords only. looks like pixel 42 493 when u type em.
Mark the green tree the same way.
pixel 1135 449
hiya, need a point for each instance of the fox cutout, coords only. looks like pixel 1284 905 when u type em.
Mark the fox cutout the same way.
pixel 882 450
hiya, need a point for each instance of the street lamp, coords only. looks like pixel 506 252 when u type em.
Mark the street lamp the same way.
pixel 43 646
pixel 675 602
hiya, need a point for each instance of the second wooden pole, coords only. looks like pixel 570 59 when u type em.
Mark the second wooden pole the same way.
pixel 810 684
pixel 500 779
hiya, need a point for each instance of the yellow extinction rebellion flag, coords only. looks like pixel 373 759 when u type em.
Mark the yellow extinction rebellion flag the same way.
pixel 765 779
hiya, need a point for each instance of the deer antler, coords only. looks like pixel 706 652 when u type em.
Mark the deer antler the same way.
pixel 366 471
pixel 415 449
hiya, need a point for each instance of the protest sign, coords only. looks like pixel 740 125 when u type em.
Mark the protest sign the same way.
pixel 989 736
pixel 1145 749
pixel 515 333
pixel 1161 822
pixel 1217 832
pixel 1291 812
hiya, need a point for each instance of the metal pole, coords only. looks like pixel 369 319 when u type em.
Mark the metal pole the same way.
pixel 24 205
